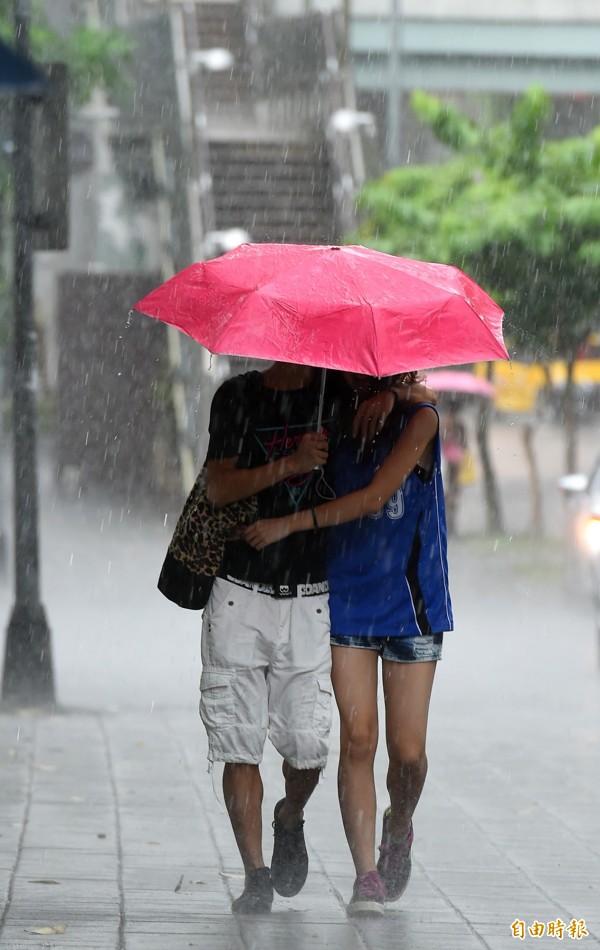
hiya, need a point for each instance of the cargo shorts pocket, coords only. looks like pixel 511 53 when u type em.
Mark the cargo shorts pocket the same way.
pixel 322 710
pixel 216 699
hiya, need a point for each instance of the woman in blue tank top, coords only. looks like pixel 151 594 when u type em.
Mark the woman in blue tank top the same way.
pixel 389 598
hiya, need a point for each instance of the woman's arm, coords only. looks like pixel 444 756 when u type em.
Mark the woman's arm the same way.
pixel 407 452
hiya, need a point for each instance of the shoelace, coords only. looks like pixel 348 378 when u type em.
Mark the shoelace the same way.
pixel 369 885
pixel 287 832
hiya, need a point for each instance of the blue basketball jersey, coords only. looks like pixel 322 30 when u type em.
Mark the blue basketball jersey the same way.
pixel 388 572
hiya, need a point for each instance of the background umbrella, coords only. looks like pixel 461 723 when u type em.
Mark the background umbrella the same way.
pixel 460 383
pixel 346 308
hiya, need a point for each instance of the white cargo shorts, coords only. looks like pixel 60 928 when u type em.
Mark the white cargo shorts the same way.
pixel 266 665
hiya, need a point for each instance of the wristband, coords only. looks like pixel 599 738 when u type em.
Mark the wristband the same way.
pixel 314 518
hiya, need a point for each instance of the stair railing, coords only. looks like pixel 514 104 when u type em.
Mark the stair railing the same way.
pixel 192 381
pixel 342 126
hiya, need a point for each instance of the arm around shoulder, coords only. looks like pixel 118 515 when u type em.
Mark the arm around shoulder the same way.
pixel 411 448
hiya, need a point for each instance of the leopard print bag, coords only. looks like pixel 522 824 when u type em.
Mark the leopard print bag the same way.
pixel 196 549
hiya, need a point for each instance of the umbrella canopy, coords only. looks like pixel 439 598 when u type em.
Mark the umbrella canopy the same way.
pixel 455 381
pixel 347 308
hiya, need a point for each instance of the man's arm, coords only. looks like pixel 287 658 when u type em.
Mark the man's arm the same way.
pixel 226 483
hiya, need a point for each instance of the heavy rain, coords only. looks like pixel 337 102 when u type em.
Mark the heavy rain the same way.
pixel 139 138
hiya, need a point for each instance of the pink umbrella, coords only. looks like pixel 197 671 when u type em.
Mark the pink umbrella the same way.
pixel 348 308
pixel 456 381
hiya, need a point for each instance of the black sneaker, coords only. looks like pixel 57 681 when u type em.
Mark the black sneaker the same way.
pixel 289 864
pixel 257 896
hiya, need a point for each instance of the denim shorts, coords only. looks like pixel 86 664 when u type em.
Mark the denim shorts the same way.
pixel 419 649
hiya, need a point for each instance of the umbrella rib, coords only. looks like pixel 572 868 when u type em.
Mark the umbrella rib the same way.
pixel 358 295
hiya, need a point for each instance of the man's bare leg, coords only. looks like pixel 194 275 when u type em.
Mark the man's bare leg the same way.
pixel 299 786
pixel 289 862
pixel 243 791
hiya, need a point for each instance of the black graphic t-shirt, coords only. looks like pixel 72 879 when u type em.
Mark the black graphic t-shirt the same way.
pixel 260 425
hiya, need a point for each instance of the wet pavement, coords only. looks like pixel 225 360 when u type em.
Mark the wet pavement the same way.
pixel 113 831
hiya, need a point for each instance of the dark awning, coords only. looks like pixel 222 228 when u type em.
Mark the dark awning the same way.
pixel 19 75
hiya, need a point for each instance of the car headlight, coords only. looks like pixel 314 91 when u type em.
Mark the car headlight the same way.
pixel 590 534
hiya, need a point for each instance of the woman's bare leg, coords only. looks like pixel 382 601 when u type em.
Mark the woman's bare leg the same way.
pixel 407 693
pixel 354 676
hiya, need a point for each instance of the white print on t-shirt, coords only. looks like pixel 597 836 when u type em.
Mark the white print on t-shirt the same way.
pixel 394 507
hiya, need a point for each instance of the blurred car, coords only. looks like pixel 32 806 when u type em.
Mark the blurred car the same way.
pixel 582 494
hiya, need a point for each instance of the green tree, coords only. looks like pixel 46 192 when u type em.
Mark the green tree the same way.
pixel 95 56
pixel 518 212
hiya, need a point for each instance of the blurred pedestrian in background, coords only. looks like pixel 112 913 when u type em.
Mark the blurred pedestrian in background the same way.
pixel 455 456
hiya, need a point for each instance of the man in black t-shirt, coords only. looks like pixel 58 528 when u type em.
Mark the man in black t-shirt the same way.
pixel 266 657
pixel 253 425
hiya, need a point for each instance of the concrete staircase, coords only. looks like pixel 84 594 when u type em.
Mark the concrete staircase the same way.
pixel 277 192
pixel 259 142
pixel 223 26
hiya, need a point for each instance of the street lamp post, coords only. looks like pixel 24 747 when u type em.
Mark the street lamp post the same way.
pixel 28 675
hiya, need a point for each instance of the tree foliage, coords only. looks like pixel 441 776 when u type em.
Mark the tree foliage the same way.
pixel 95 55
pixel 517 211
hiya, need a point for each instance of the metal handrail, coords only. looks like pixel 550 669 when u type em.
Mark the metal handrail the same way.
pixel 345 151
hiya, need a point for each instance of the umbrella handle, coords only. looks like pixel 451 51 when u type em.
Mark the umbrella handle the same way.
pixel 321 399
pixel 320 410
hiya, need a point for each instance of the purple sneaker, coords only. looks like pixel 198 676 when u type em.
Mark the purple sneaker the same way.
pixel 395 864
pixel 368 896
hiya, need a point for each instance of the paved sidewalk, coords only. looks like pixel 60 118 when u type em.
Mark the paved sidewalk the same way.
pixel 111 826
